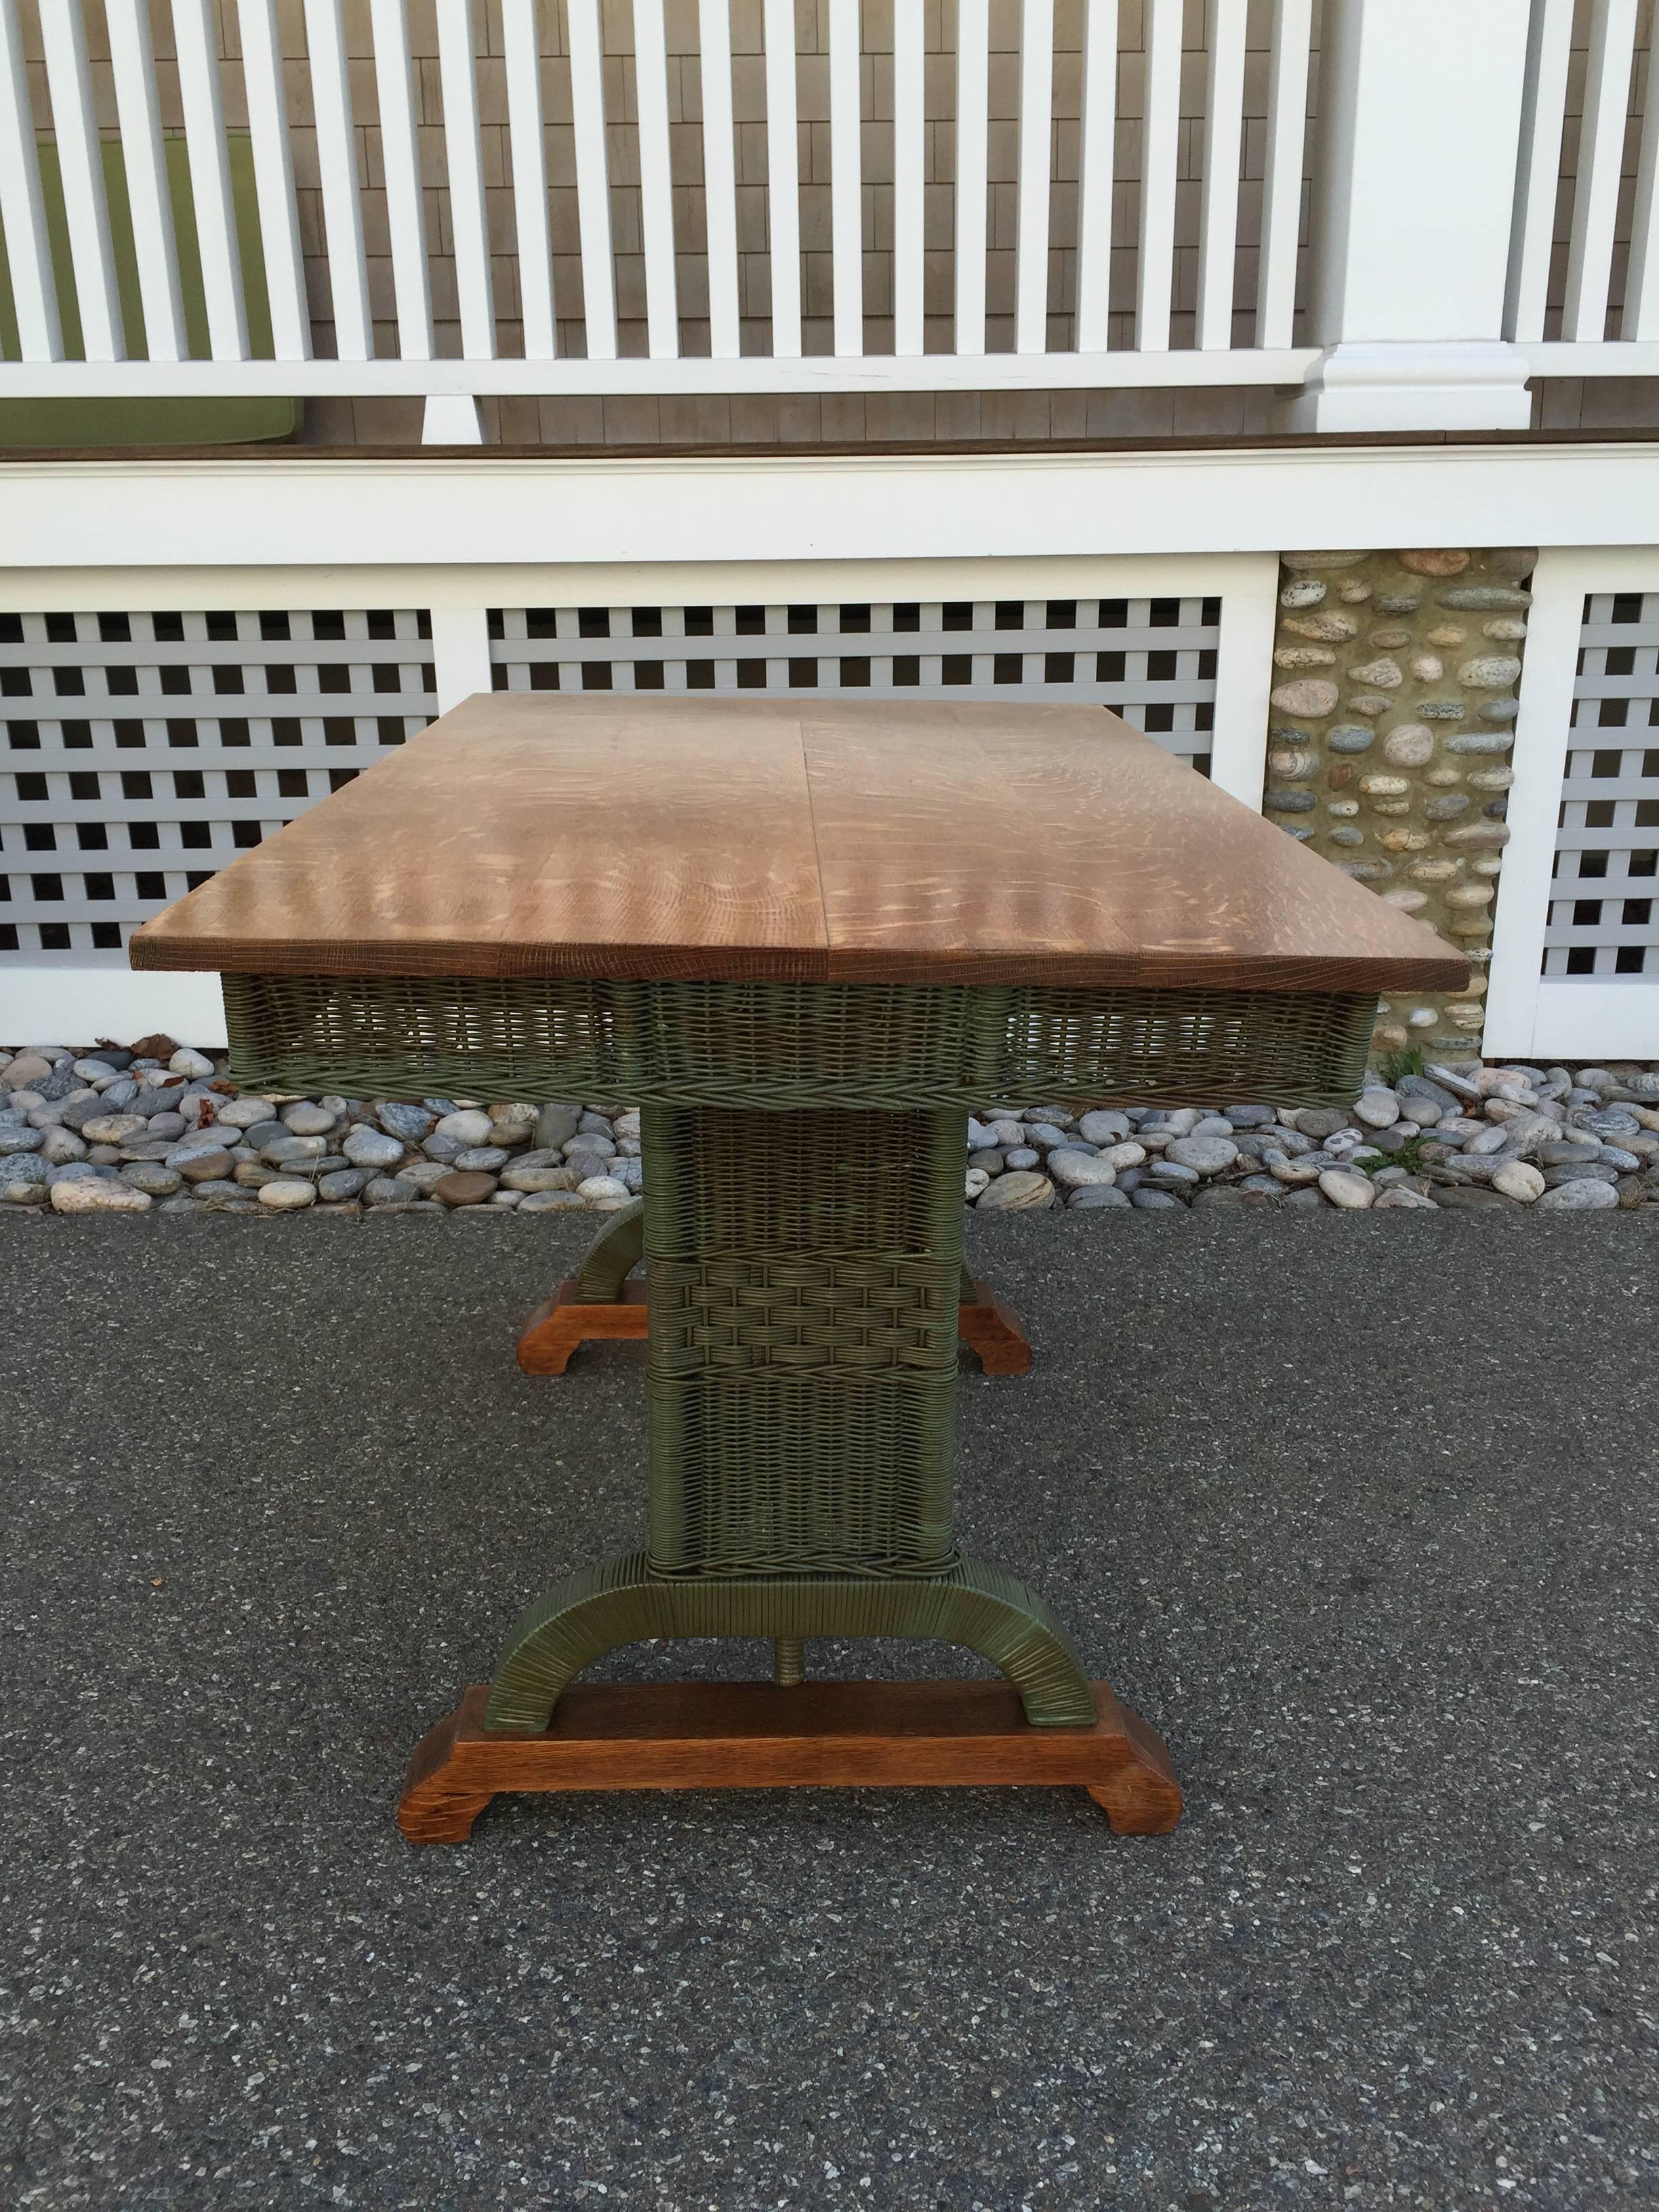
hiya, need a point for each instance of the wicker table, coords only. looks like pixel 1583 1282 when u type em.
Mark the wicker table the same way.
pixel 805 940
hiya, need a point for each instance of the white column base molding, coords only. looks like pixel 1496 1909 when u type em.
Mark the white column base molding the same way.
pixel 1577 1018
pixel 452 418
pixel 1477 385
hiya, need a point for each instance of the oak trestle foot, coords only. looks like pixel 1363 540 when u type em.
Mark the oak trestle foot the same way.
pixel 757 1736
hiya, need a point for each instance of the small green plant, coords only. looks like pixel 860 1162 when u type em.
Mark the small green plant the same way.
pixel 1400 1064
pixel 1409 1157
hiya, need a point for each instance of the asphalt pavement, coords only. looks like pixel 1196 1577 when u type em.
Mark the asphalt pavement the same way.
pixel 1361 1512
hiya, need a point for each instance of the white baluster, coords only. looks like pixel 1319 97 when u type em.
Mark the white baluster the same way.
pixel 1543 106
pixel 1094 190
pixel 400 157
pixel 909 173
pixel 336 167
pixel 132 61
pixel 782 179
pixel 592 178
pixel 195 34
pixel 521 46
pixel 22 210
pixel 1159 134
pixel 1600 159
pixel 273 178
pixel 1036 83
pixel 1640 318
pixel 1224 122
pixel 719 183
pixel 1281 180
pixel 846 177
pixel 656 183
pixel 973 110
pixel 464 158
pixel 80 158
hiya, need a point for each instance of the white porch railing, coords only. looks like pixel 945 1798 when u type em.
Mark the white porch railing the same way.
pixel 1582 295
pixel 705 197
pixel 735 197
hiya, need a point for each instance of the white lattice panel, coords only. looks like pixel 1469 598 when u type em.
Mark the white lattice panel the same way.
pixel 143 751
pixel 1604 900
pixel 1152 660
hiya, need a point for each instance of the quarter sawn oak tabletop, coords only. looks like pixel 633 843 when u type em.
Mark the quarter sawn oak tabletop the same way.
pixel 764 839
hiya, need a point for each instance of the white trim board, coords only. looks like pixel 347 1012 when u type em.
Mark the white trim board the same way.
pixel 1547 671
pixel 1526 1014
pixel 692 375
pixel 69 1005
pixel 677 511
pixel 656 376
pixel 443 585
pixel 1245 676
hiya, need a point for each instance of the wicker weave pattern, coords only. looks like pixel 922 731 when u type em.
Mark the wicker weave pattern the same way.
pixel 743 1311
pixel 772 1476
pixel 830 1180
pixel 804 1270
pixel 783 1045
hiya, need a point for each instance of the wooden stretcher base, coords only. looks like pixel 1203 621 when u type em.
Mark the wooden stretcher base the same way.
pixel 756 1735
pixel 991 1332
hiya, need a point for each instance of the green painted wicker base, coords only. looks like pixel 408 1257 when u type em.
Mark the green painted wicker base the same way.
pixel 803 1148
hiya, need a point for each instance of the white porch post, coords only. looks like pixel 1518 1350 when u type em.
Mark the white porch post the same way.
pixel 1245 676
pixel 1413 191
pixel 1543 730
pixel 452 418
pixel 460 653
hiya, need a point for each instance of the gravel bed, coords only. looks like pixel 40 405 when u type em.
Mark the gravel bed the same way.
pixel 1557 1139
pixel 159 1127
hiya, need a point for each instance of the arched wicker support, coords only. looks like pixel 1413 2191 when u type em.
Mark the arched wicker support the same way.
pixel 621 1601
pixel 612 1257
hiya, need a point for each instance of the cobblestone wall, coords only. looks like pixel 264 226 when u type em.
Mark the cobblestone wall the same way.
pixel 1394 710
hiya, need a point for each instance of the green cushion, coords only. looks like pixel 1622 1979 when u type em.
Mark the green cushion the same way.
pixel 147 421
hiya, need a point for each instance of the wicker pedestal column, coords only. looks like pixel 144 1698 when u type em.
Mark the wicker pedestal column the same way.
pixel 803 1271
